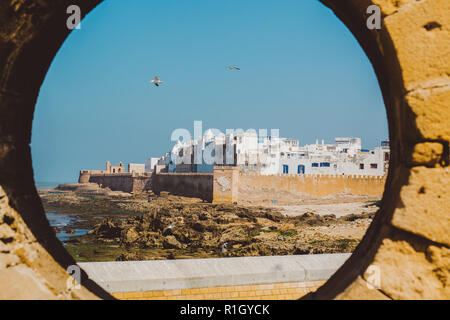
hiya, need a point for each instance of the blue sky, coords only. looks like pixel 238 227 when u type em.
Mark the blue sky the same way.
pixel 302 72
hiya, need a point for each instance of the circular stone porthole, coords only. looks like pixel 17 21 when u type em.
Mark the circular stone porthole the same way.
pixel 406 246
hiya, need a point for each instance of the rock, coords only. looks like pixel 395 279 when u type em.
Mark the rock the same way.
pixel 204 216
pixel 108 229
pixel 130 235
pixel 286 227
pixel 307 215
pixel 130 256
pixel 170 242
pixel 202 226
pixel 248 231
pixel 329 217
pixel 168 231
pixel 234 235
pixel 302 249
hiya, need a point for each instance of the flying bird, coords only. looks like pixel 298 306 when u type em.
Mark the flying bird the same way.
pixel 156 81
pixel 234 68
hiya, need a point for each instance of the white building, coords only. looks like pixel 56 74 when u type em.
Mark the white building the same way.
pixel 344 157
pixel 273 155
pixel 150 164
pixel 199 155
pixel 136 167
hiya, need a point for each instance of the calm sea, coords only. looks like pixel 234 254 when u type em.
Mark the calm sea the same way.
pixel 60 220
pixel 45 185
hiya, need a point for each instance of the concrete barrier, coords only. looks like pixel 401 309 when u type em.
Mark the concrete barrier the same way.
pixel 157 275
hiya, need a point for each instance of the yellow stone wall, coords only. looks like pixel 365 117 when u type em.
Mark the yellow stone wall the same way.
pixel 274 291
pixel 225 184
pixel 315 185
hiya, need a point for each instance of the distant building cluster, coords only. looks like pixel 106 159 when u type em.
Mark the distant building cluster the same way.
pixel 273 155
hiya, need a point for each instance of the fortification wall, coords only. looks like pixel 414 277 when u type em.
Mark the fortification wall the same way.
pixel 315 185
pixel 126 182
pixel 223 185
pixel 116 182
pixel 84 176
pixel 226 184
pixel 141 183
pixel 196 185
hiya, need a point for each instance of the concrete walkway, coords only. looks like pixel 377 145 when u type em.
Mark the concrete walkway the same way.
pixel 133 276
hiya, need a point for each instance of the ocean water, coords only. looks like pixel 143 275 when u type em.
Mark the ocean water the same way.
pixel 46 185
pixel 60 221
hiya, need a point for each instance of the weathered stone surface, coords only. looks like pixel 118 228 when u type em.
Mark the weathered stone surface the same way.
pixel 423 204
pixel 361 290
pixel 24 283
pixel 225 184
pixel 423 52
pixel 26 268
pixel 410 274
pixel 427 153
pixel 420 42
pixel 391 6
pixel 432 110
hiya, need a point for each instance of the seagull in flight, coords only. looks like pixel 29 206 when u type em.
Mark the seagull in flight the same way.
pixel 234 68
pixel 156 81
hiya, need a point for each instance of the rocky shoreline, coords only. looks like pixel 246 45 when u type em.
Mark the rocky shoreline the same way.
pixel 130 227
